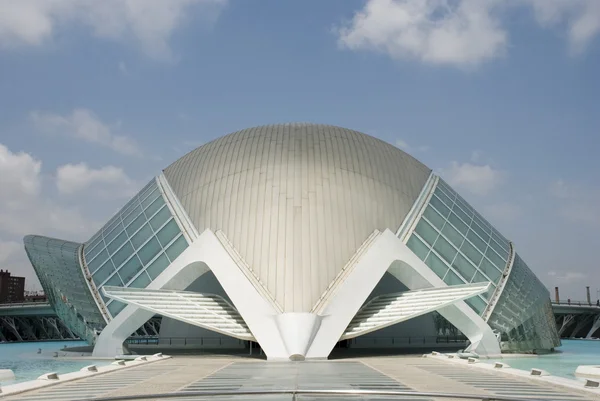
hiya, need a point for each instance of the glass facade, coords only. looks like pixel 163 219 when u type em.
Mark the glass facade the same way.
pixel 56 264
pixel 523 313
pixel 458 244
pixel 135 246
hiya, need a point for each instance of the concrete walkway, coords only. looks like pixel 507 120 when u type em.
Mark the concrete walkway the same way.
pixel 406 373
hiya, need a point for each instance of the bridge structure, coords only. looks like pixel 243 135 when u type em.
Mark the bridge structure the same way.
pixel 577 319
pixel 37 321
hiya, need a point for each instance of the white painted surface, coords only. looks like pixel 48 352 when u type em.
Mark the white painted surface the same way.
pixel 297 200
pixel 206 251
pixel 22 387
pixel 204 310
pixel 297 331
pixel 387 251
pixel 7 374
pixel 389 309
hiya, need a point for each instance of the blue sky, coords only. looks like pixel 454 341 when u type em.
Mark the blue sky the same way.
pixel 502 98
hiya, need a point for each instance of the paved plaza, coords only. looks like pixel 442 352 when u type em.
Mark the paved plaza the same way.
pixel 187 374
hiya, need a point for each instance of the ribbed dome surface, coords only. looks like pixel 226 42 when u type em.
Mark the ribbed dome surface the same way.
pixel 297 200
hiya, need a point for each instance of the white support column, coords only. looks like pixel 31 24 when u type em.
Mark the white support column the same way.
pixel 205 253
pixel 566 322
pixel 595 327
pixel 388 253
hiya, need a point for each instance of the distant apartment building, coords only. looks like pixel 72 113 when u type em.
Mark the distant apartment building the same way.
pixel 12 289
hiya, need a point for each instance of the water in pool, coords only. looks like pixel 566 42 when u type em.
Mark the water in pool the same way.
pixel 23 359
pixel 564 361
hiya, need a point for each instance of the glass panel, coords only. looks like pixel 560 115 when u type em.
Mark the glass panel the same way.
pixel 460 213
pixel 91 249
pixel 115 280
pixel 108 227
pixel 176 248
pixel 153 208
pixel 471 252
pixel 476 241
pixel 464 206
pixel 453 235
pixel 146 200
pixel 141 236
pixel 115 307
pixel 445 249
pixel 426 232
pixel 137 223
pixel 500 240
pixel 129 218
pixel 434 217
pixel 97 261
pixel 160 218
pixel 495 259
pixel 149 251
pixel 448 192
pixel 111 235
pixel 439 206
pixel 158 266
pixel 490 270
pixel 477 304
pixel 464 267
pixel 482 222
pixel 122 254
pixel 499 248
pixel 103 272
pixel 417 246
pixel 117 242
pixel 484 236
pixel 447 201
pixel 452 279
pixel 458 223
pixel 130 269
pixel 480 278
pixel 126 211
pixel 141 281
pixel 168 232
pixel 436 264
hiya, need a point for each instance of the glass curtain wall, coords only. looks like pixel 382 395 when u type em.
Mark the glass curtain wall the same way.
pixel 135 246
pixel 523 313
pixel 458 244
pixel 56 264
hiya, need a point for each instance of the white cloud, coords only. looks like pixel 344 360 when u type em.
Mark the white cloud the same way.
pixel 581 19
pixel 149 24
pixel 83 124
pixel 577 203
pixel 502 212
pixel 26 179
pixel 477 179
pixel 462 33
pixel 107 181
pixel 402 144
pixel 26 209
pixel 567 276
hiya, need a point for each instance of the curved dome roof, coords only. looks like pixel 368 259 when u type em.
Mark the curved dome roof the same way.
pixel 297 200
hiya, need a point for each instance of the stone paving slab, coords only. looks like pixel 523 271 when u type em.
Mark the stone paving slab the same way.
pixel 186 374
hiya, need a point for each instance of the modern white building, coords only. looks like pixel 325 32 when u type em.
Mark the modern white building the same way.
pixel 297 237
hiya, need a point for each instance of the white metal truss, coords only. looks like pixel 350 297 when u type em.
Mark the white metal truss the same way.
pixel 389 309
pixel 208 311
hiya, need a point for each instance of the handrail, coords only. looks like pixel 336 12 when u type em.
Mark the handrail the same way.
pixel 206 340
pixel 577 303
pixel 296 392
